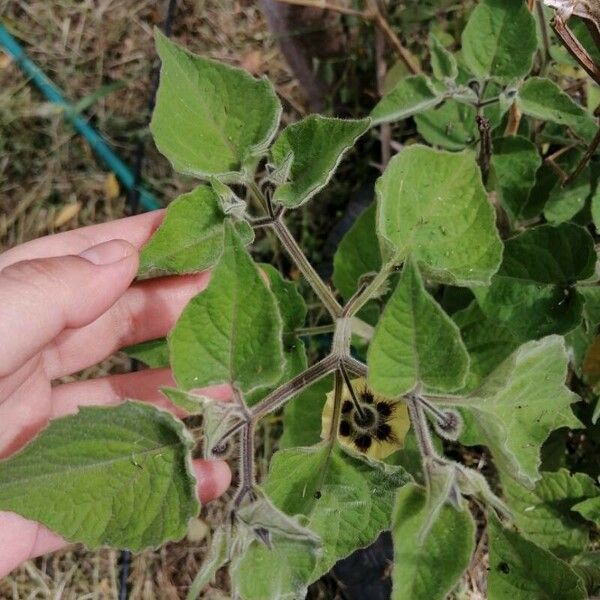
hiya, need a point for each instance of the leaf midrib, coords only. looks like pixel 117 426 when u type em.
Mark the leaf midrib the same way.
pixel 83 468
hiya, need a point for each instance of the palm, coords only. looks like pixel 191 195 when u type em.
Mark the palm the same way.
pixel 57 317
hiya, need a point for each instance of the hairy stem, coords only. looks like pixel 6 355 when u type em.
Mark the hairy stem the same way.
pixel 357 407
pixel 247 476
pixel 285 392
pixel 421 426
pixel 355 366
pixel 338 388
pixel 320 288
pixel 317 330
pixel 364 294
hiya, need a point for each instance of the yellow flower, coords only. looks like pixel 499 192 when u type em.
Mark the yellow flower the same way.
pixel 379 432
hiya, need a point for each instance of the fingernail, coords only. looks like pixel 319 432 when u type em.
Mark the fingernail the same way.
pixel 108 253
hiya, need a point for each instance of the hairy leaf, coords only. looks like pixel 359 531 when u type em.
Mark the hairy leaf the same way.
pixel 515 161
pixel 153 353
pixel 517 406
pixel 191 236
pixel 590 508
pixel 358 254
pixel 488 342
pixel 565 202
pixel 543 99
pixel 543 514
pixel 531 293
pixel 428 567
pixel 315 146
pixel 354 506
pixel 210 118
pixel 411 95
pixel 231 332
pixel 500 40
pixel 451 126
pixel 443 63
pixel 520 570
pixel 118 476
pixel 291 304
pixel 432 205
pixel 302 415
pixel 415 343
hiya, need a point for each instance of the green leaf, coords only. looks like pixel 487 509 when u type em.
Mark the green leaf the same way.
pixel 190 237
pixel 353 508
pixel 291 304
pixel 520 570
pixel 415 342
pixel 210 118
pixel 518 405
pixel 443 63
pixel 565 202
pixel 231 332
pixel 543 514
pixel 500 40
pixel 294 362
pixel 531 293
pixel 410 96
pixel 432 204
pixel 487 342
pixel 587 567
pixel 358 254
pixel 451 125
pixel 590 509
pixel 191 403
pixel 302 415
pixel 543 99
pixel 315 146
pixel 515 161
pixel 119 476
pixel 428 568
pixel 153 353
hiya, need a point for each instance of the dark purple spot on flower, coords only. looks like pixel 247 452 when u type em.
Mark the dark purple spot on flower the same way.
pixel 383 431
pixel 345 428
pixel 384 409
pixel 367 397
pixel 363 442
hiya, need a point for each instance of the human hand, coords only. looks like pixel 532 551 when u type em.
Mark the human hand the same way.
pixel 67 302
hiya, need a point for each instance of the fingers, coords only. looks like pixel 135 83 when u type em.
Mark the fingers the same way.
pixel 22 539
pixel 148 310
pixel 41 297
pixel 107 391
pixel 135 230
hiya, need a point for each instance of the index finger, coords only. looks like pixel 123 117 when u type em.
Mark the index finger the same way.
pixel 136 230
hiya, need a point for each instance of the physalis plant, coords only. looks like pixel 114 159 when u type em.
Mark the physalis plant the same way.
pixel 466 297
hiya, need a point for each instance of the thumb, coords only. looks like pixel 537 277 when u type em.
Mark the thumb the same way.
pixel 41 297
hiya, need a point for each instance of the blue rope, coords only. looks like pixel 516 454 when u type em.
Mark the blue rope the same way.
pixel 95 140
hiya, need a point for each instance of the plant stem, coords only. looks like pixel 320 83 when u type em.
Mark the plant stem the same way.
pixel 282 394
pixel 374 14
pixel 539 10
pixel 357 406
pixel 338 388
pixel 355 366
pixel 247 478
pixel 419 422
pixel 320 288
pixel 317 330
pixel 364 294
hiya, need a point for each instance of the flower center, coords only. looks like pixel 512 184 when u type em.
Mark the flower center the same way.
pixel 367 419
